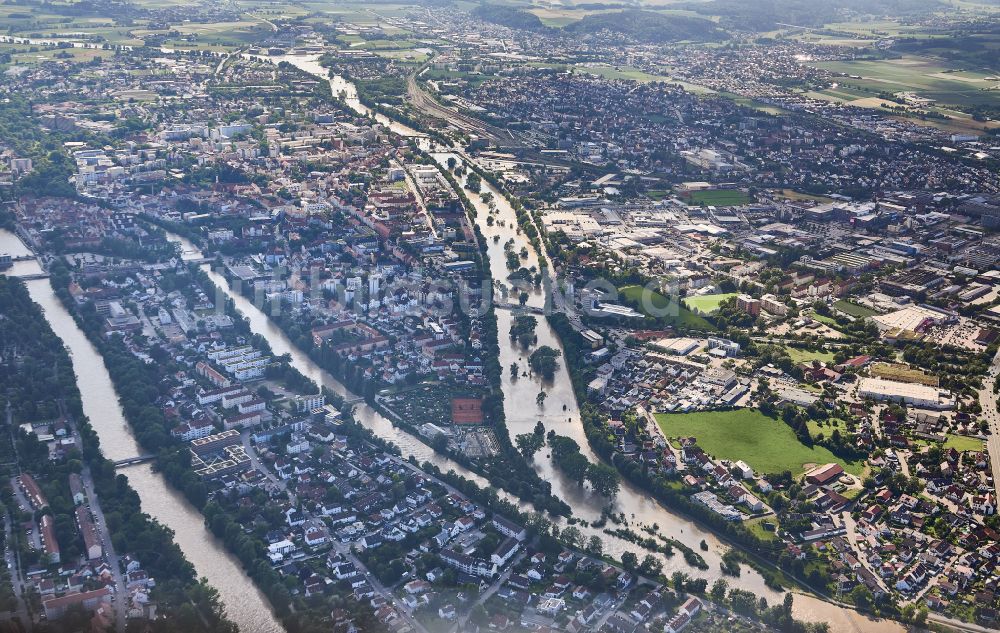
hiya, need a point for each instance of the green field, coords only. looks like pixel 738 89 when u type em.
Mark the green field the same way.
pixel 768 445
pixel 805 356
pixel 852 309
pixel 621 72
pixel 826 427
pixel 963 443
pixel 756 526
pixel 707 304
pixel 720 197
pixel 826 320
pixel 684 318
pixel 923 76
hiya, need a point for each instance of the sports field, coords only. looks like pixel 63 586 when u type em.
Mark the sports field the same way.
pixel 720 197
pixel 852 309
pixel 707 304
pixel 768 445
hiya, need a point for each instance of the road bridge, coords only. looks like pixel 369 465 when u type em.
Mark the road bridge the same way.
pixel 132 461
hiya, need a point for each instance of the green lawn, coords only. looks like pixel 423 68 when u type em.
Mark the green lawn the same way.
pixel 822 318
pixel 805 356
pixel 707 304
pixel 682 318
pixel 852 309
pixel 768 445
pixel 826 427
pixel 621 72
pixel 720 197
pixel 963 443
pixel 757 527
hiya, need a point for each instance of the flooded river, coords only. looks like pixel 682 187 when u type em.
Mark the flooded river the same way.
pixel 244 604
pixel 638 508
pixel 520 409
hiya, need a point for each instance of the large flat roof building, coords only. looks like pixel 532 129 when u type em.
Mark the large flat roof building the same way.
pixel 904 393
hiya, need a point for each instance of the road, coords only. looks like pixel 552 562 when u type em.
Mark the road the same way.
pixel 988 401
pixel 417 193
pixel 492 589
pixel 385 592
pixel 14 567
pixel 851 528
pixel 278 483
pixel 35 538
pixel 109 549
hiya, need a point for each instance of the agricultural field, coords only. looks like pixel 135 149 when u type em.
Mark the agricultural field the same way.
pixel 768 445
pixel 360 13
pixel 852 309
pixel 24 54
pixel 558 17
pixel 707 304
pixel 684 317
pixel 921 76
pixel 720 197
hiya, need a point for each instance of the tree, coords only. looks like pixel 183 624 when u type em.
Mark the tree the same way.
pixel 572 536
pixel 544 361
pixel 677 580
pixel 595 545
pixel 479 616
pixel 630 561
pixel 650 566
pixel 529 444
pixel 862 597
pixel 576 467
pixel 604 479
pixel 719 589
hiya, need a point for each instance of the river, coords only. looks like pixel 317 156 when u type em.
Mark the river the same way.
pixel 638 507
pixel 244 603
pixel 341 88
pixel 634 503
